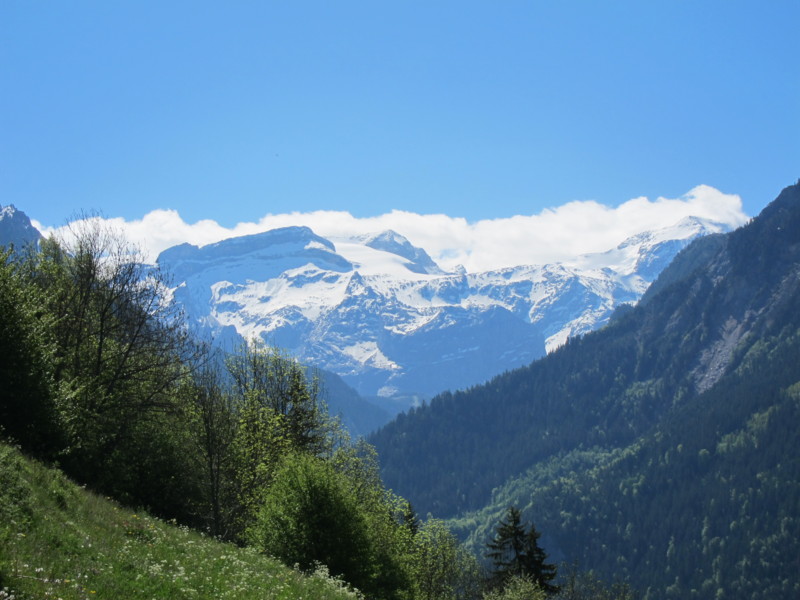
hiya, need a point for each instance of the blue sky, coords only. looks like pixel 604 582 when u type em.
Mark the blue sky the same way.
pixel 480 110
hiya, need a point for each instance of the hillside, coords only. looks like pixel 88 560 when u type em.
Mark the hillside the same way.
pixel 58 540
pixel 661 447
pixel 707 501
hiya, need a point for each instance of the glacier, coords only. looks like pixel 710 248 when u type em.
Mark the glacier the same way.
pixel 381 314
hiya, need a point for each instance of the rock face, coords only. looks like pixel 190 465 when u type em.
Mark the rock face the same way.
pixel 16 229
pixel 380 313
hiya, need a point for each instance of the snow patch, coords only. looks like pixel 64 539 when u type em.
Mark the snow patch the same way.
pixel 368 353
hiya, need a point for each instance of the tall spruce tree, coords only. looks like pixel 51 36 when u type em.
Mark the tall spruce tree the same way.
pixel 515 552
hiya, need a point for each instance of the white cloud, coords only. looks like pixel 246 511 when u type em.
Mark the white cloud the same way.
pixel 554 234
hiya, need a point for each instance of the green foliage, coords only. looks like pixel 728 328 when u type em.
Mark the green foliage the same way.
pixel 336 512
pixel 442 568
pixel 257 449
pixel 710 497
pixel 587 586
pixel 151 467
pixel 16 496
pixel 213 424
pixel 27 410
pixel 245 421
pixel 265 378
pixel 119 349
pixel 309 516
pixel 389 530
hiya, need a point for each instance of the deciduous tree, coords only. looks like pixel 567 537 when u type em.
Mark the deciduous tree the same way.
pixel 120 346
pixel 310 515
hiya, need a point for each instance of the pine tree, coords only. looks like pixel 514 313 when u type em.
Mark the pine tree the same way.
pixel 515 552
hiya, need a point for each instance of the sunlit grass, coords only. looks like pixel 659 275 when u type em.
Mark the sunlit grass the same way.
pixel 59 541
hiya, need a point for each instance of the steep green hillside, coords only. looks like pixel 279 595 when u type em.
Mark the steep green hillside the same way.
pixel 662 448
pixel 706 504
pixel 60 541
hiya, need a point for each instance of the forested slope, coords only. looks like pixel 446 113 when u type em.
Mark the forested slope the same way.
pixel 667 435
pixel 707 501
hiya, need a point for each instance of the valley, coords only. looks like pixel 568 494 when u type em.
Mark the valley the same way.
pixel 640 406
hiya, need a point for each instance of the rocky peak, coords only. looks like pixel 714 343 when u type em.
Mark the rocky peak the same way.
pixel 16 228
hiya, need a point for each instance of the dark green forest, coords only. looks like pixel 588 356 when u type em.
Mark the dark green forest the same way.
pixel 662 448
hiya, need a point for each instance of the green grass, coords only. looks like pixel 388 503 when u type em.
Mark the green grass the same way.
pixel 60 541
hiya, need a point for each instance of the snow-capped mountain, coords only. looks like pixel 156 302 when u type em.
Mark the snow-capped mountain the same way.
pixel 383 315
pixel 16 229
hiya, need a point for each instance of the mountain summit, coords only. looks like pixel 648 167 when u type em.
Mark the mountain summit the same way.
pixel 391 241
pixel 16 229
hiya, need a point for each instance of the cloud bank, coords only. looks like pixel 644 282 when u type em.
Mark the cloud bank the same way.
pixel 555 234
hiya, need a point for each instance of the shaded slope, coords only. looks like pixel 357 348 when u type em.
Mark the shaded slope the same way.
pixel 704 506
pixel 608 388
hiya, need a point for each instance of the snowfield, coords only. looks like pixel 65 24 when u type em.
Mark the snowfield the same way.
pixel 384 316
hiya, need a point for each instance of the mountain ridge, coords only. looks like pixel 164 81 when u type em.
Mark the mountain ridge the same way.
pixel 362 306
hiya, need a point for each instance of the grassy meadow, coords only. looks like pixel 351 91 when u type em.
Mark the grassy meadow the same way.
pixel 58 540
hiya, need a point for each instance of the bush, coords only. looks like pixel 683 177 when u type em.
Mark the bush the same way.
pixel 310 516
